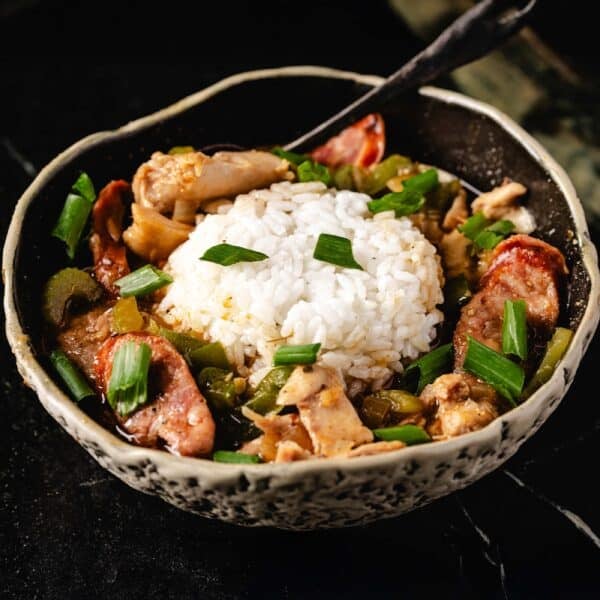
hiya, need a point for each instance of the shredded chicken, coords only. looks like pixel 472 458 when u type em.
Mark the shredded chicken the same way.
pixel 329 417
pixel 290 451
pixel 152 235
pixel 497 202
pixel 454 248
pixel 460 403
pixel 458 212
pixel 276 429
pixel 196 178
pixel 375 448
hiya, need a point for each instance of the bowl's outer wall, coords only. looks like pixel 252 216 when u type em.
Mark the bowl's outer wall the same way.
pixel 265 112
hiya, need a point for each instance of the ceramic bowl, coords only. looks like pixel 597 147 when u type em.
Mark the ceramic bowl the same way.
pixel 443 128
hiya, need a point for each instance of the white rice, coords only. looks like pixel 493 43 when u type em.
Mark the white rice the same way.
pixel 366 321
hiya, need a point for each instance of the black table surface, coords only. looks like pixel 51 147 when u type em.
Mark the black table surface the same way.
pixel 68 529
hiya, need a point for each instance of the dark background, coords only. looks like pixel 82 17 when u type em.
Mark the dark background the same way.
pixel 68 529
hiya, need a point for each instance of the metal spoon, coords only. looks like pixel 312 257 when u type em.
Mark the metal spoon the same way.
pixel 476 32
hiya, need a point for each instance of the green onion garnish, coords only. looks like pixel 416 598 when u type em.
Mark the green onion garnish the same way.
pixel 403 203
pixel 69 373
pixel 309 170
pixel 423 183
pixel 473 225
pixel 128 385
pixel 430 366
pixel 500 372
pixel 75 213
pixel 143 281
pixel 514 328
pixel 84 187
pixel 485 234
pixel 228 456
pixel 292 157
pixel 335 250
pixel 555 350
pixel 305 354
pixel 409 434
pixel 228 254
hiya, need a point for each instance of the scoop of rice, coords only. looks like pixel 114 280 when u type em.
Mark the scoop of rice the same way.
pixel 366 321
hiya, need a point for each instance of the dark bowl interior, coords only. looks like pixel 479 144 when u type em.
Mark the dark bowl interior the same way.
pixel 272 111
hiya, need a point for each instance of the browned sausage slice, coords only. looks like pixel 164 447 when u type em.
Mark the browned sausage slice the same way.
pixel 179 415
pixel 110 254
pixel 522 268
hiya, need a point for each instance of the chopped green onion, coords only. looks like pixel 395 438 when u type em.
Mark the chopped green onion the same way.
pixel 75 213
pixel 265 395
pixel 209 355
pixel 305 354
pixel 309 170
pixel 430 366
pixel 69 373
pixel 181 150
pixel 85 188
pixel 473 225
pixel 228 254
pixel 227 456
pixel 409 434
pixel 500 372
pixel 483 233
pixel 335 250
pixel 71 222
pixel 423 182
pixel 456 292
pixel 292 157
pixel 403 203
pixel 440 198
pixel 128 385
pixel 143 281
pixel 555 350
pixel 514 328
pixel 503 227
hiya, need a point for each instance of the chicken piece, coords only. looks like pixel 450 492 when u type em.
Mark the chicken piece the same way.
pixel 83 335
pixel 329 417
pixel 108 251
pixel 375 448
pixel 361 144
pixel 459 403
pixel 153 236
pixel 178 415
pixel 454 248
pixel 196 178
pixel 496 203
pixel 522 268
pixel 290 451
pixel 458 212
pixel 276 429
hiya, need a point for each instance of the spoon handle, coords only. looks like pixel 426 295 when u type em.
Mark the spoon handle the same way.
pixel 473 34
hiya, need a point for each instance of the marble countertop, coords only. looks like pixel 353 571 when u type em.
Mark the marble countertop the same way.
pixel 68 529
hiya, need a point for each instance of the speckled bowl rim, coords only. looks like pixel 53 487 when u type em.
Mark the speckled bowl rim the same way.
pixel 119 451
